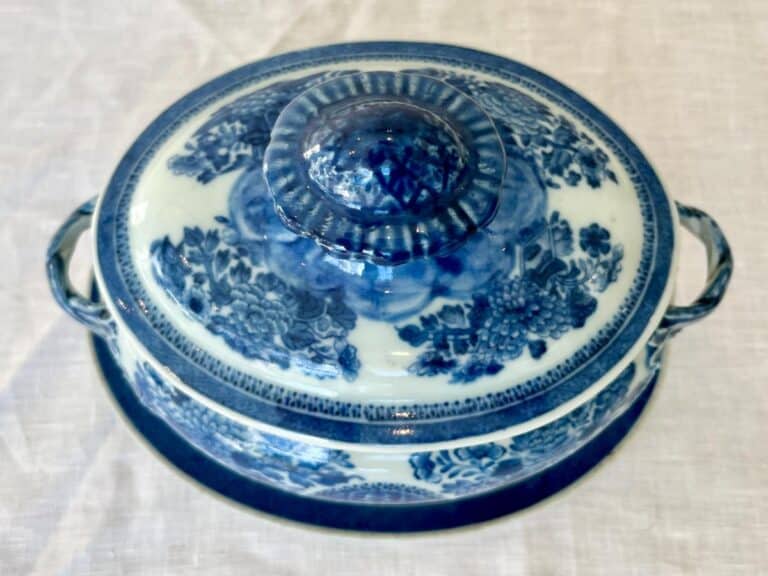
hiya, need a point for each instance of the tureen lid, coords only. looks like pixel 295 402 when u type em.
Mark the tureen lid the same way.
pixel 386 242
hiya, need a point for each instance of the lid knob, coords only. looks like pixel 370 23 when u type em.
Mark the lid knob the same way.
pixel 386 167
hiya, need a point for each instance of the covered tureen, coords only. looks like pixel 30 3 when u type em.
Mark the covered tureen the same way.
pixel 389 286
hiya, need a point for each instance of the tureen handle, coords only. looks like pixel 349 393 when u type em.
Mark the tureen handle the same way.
pixel 719 269
pixel 93 314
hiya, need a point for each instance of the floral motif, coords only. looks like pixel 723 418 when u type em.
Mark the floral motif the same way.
pixel 595 240
pixel 255 312
pixel 278 297
pixel 272 459
pixel 549 294
pixel 562 154
pixel 236 135
pixel 471 469
pixel 330 473
pixel 457 471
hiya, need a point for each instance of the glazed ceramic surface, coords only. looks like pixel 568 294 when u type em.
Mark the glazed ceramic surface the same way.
pixel 389 272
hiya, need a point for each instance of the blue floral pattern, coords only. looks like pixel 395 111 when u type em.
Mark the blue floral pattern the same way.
pixel 236 135
pixel 595 240
pixel 278 461
pixel 550 293
pixel 255 312
pixel 515 287
pixel 562 155
pixel 468 470
pixel 331 474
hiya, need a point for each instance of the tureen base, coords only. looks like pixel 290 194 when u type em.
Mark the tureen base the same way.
pixel 355 516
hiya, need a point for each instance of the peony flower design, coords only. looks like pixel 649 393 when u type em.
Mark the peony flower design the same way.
pixel 550 293
pixel 513 289
pixel 257 314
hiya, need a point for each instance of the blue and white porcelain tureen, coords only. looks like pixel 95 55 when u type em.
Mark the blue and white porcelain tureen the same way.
pixel 386 286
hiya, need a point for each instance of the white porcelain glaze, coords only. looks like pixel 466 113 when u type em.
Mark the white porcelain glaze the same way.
pixel 386 274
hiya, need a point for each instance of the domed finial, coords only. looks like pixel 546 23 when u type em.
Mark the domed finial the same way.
pixel 385 166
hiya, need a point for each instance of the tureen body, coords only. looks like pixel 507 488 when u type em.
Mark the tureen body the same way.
pixel 357 473
pixel 386 274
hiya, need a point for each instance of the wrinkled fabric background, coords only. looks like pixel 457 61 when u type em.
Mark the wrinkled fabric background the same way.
pixel 687 493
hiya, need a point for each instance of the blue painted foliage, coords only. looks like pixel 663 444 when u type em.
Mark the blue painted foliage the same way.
pixel 467 470
pixel 551 293
pixel 254 311
pixel 278 461
pixel 515 286
pixel 562 154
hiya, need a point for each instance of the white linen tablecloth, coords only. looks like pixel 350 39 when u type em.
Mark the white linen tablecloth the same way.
pixel 687 493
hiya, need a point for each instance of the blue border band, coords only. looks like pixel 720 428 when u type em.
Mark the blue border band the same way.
pixel 366 424
pixel 359 517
